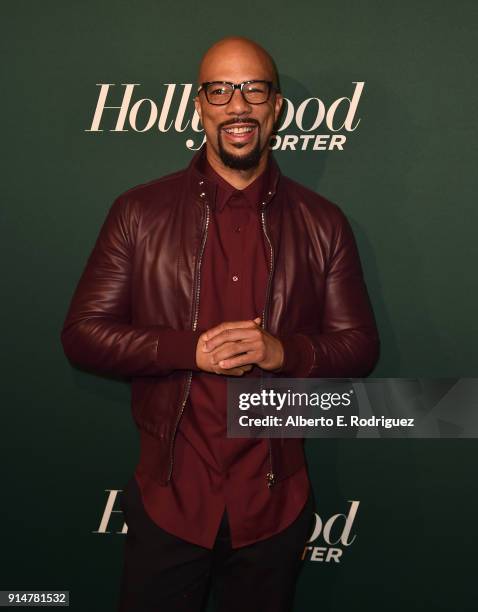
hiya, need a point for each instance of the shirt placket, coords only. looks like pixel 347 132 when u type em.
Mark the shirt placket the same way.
pixel 239 220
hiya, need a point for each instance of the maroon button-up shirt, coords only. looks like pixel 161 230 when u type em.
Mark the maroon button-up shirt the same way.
pixel 212 472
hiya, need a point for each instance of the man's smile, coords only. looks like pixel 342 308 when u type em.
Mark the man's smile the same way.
pixel 239 133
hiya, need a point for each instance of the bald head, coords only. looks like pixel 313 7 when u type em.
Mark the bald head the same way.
pixel 238 125
pixel 233 52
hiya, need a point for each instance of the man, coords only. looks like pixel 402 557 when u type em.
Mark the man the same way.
pixel 226 268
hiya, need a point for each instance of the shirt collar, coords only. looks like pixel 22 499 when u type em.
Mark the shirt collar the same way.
pixel 222 191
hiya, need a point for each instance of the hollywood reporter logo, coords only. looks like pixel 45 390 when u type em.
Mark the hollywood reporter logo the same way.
pixel 298 127
pixel 327 541
pixel 335 533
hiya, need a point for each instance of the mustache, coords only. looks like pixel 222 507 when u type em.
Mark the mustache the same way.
pixel 238 121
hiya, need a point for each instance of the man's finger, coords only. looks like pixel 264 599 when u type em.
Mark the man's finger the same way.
pixel 234 371
pixel 233 349
pixel 229 335
pixel 235 362
pixel 210 333
pixel 231 372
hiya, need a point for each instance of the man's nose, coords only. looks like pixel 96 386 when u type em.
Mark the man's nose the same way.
pixel 237 104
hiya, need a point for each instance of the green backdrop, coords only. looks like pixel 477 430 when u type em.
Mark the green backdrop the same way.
pixel 407 181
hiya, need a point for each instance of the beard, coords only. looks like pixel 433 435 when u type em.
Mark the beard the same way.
pixel 240 162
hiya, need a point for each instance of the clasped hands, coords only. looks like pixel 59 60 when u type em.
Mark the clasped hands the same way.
pixel 234 347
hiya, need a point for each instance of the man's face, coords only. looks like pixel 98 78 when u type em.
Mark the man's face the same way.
pixel 238 133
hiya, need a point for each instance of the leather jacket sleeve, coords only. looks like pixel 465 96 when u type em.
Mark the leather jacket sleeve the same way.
pixel 348 345
pixel 97 333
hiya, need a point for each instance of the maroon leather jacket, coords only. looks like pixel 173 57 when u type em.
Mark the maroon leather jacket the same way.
pixel 138 298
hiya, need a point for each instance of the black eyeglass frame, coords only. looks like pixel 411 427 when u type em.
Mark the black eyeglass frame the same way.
pixel 235 86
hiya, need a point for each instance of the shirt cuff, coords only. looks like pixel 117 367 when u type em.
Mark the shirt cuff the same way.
pixel 178 348
pixel 298 356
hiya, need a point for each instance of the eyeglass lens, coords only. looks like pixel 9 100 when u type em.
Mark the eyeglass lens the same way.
pixel 221 93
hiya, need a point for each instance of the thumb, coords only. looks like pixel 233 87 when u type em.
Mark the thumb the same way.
pixel 257 320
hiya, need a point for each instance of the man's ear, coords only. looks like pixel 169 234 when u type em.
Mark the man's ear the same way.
pixel 278 102
pixel 197 106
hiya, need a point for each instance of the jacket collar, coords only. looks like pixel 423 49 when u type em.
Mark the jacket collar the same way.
pixel 204 187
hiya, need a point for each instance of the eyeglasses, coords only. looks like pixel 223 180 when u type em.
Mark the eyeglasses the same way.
pixel 221 92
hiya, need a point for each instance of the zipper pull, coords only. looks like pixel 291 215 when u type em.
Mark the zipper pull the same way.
pixel 270 479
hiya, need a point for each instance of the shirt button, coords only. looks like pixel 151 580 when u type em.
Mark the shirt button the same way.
pixel 235 278
pixel 238 229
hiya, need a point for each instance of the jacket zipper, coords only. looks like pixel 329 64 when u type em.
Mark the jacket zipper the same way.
pixel 195 321
pixel 270 476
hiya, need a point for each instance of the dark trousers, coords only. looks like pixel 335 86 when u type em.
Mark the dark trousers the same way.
pixel 163 573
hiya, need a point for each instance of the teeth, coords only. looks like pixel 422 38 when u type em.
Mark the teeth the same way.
pixel 238 130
